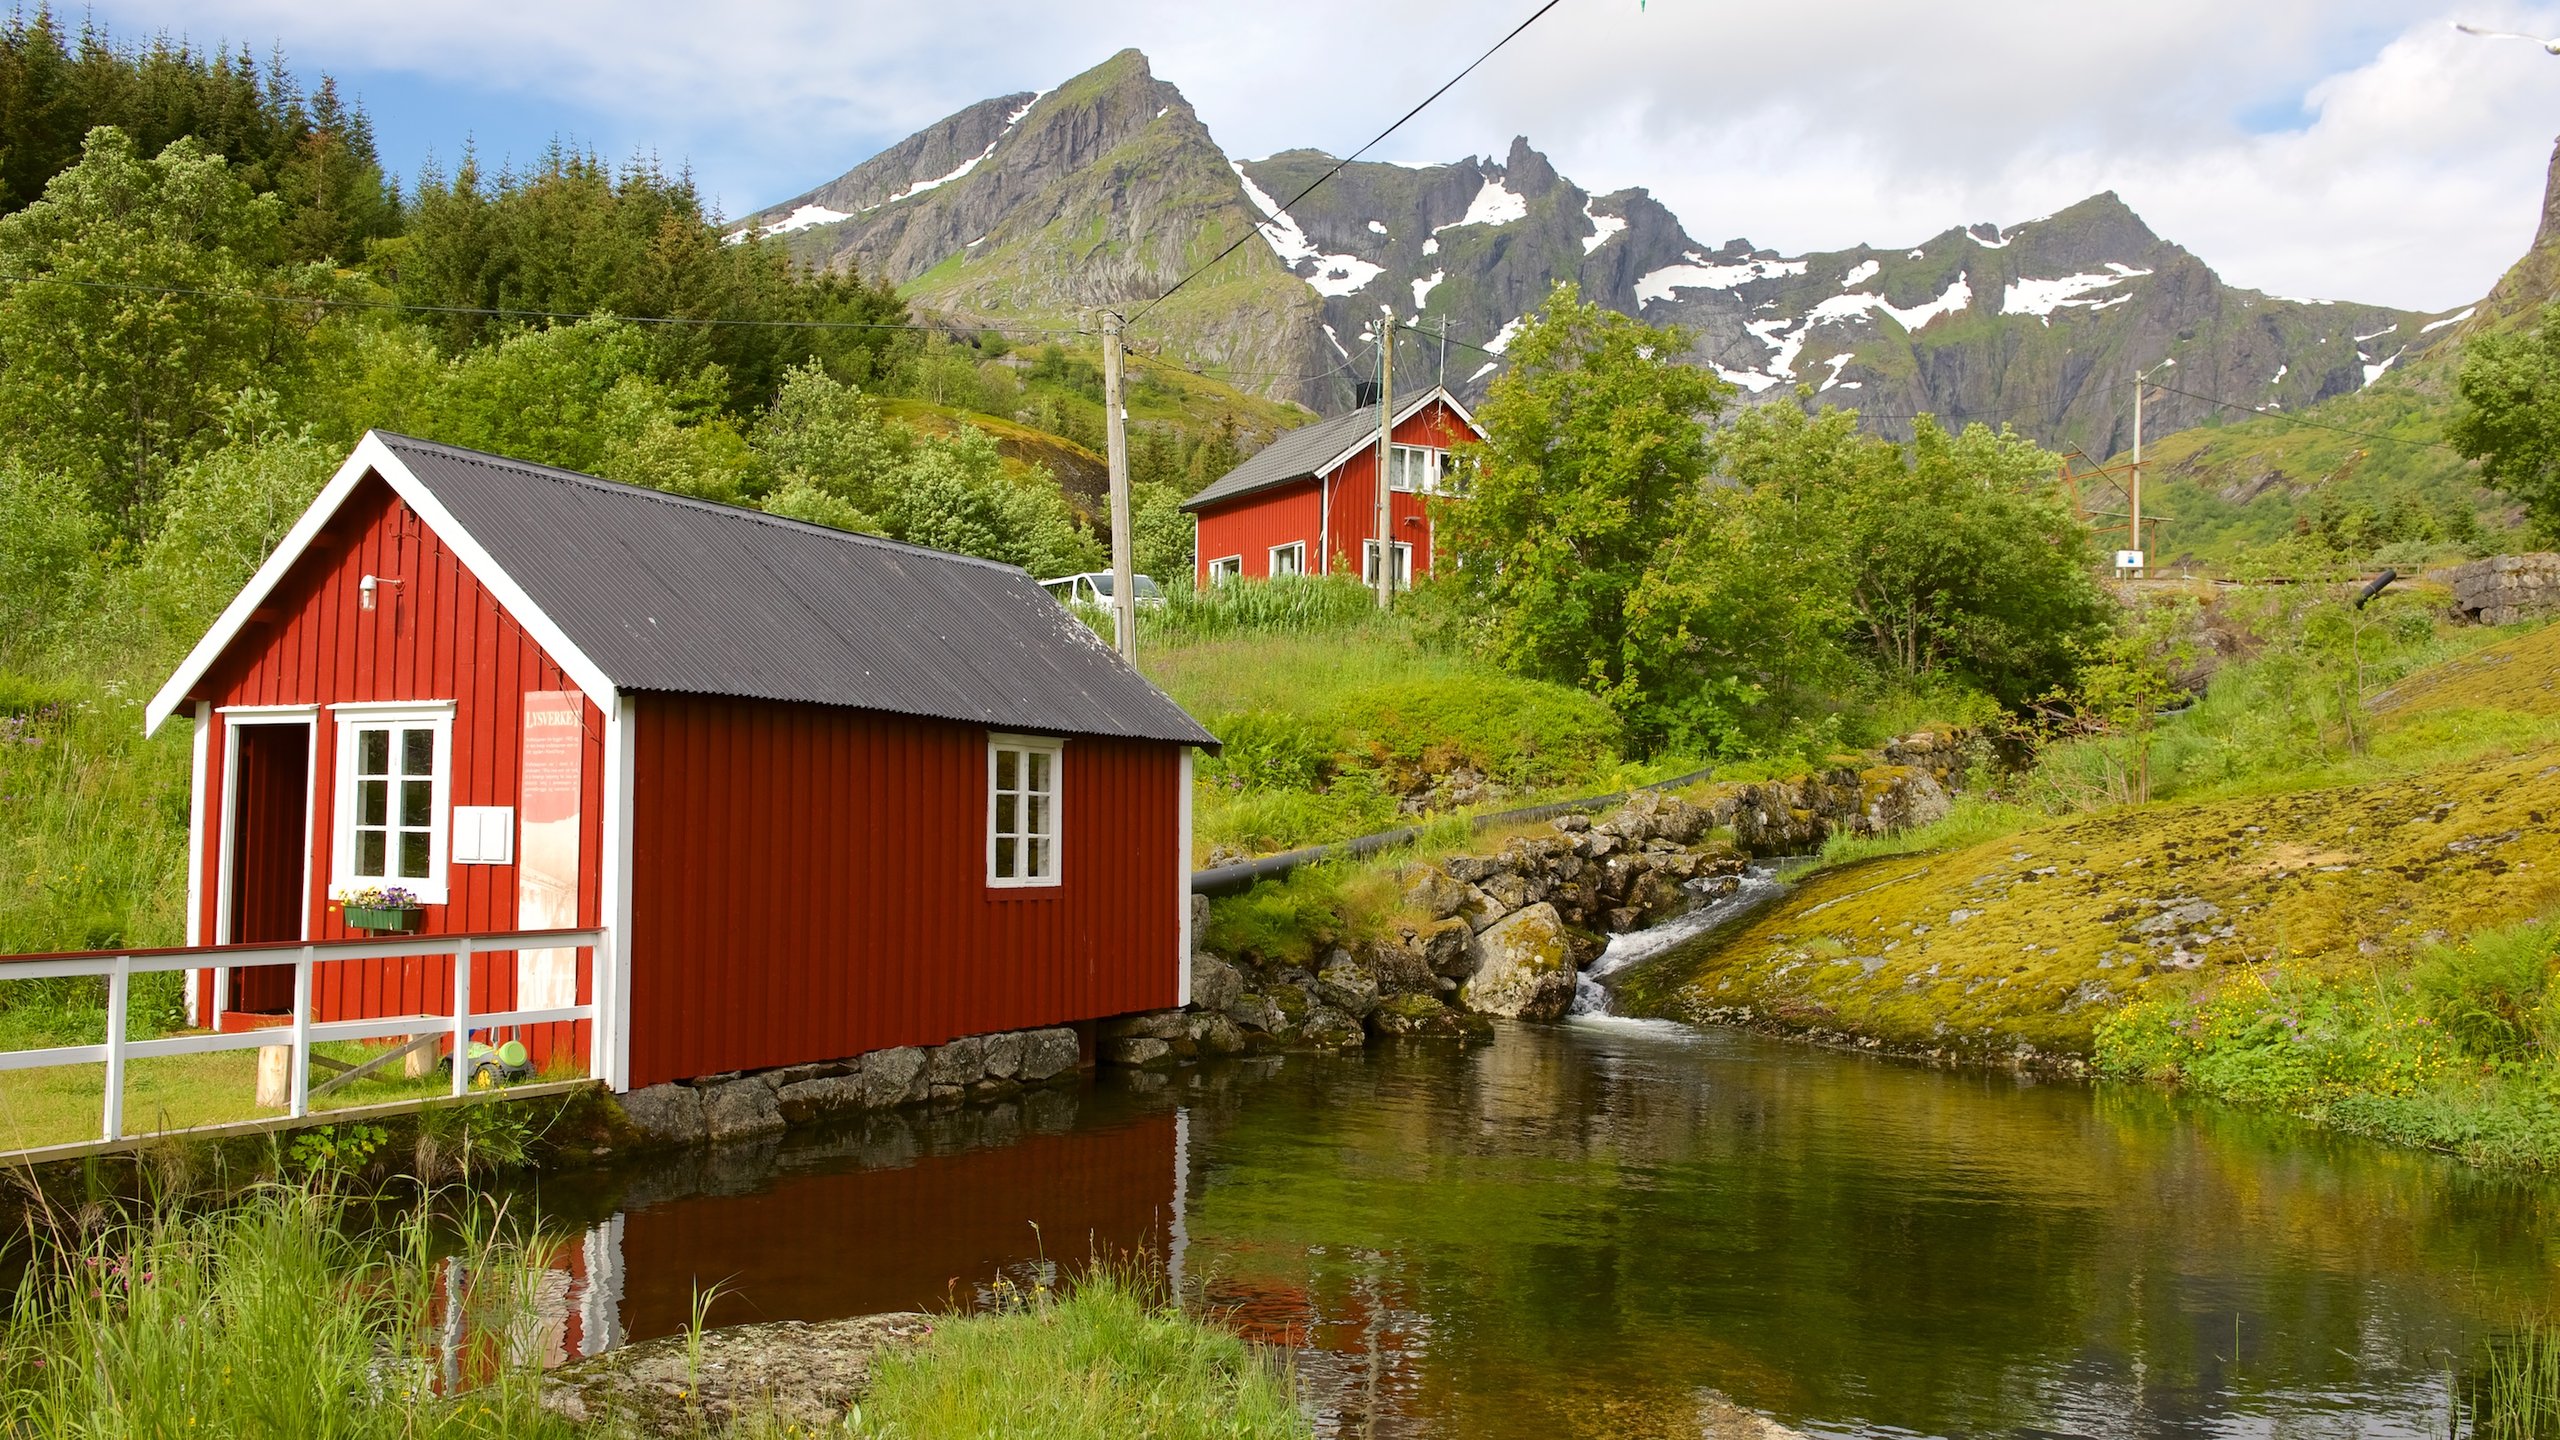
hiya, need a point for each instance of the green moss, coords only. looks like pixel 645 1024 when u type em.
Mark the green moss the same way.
pixel 2028 939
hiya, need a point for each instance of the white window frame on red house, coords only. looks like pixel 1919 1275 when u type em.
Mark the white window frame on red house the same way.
pixel 1226 568
pixel 1369 564
pixel 1402 463
pixel 1025 835
pixel 1295 553
pixel 395 717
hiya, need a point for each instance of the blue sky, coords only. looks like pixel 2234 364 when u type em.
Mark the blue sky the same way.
pixel 2345 148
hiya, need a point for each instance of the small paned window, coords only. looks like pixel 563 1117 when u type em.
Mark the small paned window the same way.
pixel 1022 811
pixel 1226 568
pixel 1289 559
pixel 1413 468
pixel 394 799
pixel 1403 562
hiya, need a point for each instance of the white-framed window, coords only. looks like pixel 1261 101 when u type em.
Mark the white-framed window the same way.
pixel 394 801
pixel 1289 559
pixel 1226 568
pixel 1369 564
pixel 1414 468
pixel 1023 775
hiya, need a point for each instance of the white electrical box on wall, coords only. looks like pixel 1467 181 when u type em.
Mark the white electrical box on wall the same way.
pixel 484 834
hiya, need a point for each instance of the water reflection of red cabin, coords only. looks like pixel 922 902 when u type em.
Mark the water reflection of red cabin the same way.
pixel 827 1244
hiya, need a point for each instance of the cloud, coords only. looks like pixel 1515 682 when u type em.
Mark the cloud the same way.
pixel 2353 148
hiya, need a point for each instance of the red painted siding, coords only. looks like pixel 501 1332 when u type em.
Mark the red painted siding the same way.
pixel 810 883
pixel 1277 516
pixel 1251 526
pixel 438 635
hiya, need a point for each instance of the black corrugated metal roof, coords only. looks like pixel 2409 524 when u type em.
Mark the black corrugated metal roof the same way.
pixel 1294 455
pixel 665 593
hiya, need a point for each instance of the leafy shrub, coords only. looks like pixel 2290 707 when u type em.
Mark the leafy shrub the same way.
pixel 2248 1039
pixel 1294 919
pixel 2492 994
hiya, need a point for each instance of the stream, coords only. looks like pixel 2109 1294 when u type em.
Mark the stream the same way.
pixel 1623 1227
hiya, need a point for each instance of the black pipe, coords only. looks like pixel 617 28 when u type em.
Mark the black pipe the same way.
pixel 1228 879
pixel 2379 581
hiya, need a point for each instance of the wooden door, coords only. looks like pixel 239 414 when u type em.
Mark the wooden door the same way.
pixel 270 835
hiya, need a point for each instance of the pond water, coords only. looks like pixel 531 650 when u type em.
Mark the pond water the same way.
pixel 1611 1227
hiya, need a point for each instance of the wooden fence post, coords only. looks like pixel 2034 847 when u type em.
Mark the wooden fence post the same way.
pixel 301 1077
pixel 119 991
pixel 461 1018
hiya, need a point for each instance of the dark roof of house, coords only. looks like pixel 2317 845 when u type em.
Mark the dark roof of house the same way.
pixel 1293 456
pixel 669 594
pixel 1302 454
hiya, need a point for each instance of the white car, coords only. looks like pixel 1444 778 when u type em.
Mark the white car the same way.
pixel 1094 588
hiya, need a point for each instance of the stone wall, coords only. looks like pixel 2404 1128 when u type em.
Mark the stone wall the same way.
pixel 2506 588
pixel 742 1106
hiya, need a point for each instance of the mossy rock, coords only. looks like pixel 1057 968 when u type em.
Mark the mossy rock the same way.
pixel 2027 940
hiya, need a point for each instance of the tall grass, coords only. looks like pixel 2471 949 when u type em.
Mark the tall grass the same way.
pixel 1110 1357
pixel 1289 605
pixel 270 1318
pixel 2511 1390
pixel 1970 821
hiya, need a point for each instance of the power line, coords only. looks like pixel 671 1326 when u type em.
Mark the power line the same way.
pixel 2304 420
pixel 1254 229
pixel 327 302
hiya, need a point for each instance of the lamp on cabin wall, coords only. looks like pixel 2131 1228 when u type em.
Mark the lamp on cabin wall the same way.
pixel 368 586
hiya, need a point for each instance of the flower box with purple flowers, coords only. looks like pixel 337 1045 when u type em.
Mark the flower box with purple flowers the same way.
pixel 380 910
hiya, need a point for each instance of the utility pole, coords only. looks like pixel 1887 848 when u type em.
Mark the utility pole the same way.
pixel 2141 381
pixel 1124 584
pixel 1386 453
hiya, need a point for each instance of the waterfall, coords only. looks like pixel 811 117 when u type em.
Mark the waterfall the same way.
pixel 1756 886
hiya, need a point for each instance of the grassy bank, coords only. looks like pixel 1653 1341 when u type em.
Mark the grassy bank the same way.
pixel 292 1313
pixel 2336 904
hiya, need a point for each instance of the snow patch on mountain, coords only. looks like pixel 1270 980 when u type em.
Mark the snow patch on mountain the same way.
pixel 1423 287
pixel 1603 228
pixel 2043 297
pixel 804 217
pixel 2467 312
pixel 1751 380
pixel 2373 372
pixel 1483 370
pixel 1334 274
pixel 1502 341
pixel 1997 241
pixel 1837 363
pixel 1377 227
pixel 1493 205
pixel 937 182
pixel 2378 334
pixel 1702 274
pixel 1859 274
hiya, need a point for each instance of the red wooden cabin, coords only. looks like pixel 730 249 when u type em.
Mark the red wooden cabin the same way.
pixel 824 792
pixel 1306 504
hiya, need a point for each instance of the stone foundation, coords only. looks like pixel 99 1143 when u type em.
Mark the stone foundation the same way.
pixel 743 1105
pixel 2506 588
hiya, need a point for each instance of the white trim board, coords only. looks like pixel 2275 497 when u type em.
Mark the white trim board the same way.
pixel 1369 443
pixel 373 456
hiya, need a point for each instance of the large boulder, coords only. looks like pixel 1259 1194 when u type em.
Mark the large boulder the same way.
pixel 961 1062
pixel 1137 1051
pixel 1402 967
pixel 1449 948
pixel 1348 988
pixel 1527 970
pixel 805 1100
pixel 1003 1054
pixel 1215 984
pixel 740 1110
pixel 1419 1017
pixel 1049 1053
pixel 891 1077
pixel 1433 892
pixel 666 1114
pixel 1256 1012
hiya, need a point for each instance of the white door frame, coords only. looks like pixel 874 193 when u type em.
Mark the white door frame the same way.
pixel 234 719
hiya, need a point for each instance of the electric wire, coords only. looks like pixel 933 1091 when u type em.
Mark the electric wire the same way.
pixel 1255 230
pixel 2305 420
pixel 403 307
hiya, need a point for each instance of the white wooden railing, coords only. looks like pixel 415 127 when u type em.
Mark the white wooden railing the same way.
pixel 302 1032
